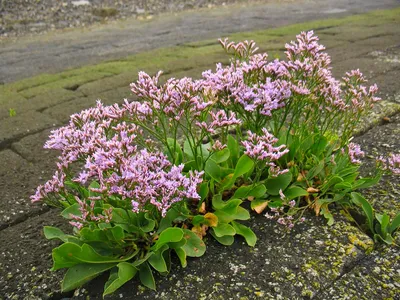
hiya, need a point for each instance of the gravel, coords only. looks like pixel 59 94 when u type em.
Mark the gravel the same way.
pixel 31 17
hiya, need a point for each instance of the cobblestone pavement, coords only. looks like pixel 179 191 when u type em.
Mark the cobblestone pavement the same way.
pixel 313 261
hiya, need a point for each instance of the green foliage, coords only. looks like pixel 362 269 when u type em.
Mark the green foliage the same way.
pixel 379 226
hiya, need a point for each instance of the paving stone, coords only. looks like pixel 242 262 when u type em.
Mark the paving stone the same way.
pixel 369 66
pixel 24 124
pixel 388 84
pixel 18 179
pixel 63 111
pixel 25 257
pixel 355 33
pixel 375 277
pixel 37 103
pixel 294 265
pixel 10 100
pixel 113 82
pixel 51 98
pixel 65 82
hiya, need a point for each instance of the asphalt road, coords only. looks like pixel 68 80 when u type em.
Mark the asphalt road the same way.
pixel 57 51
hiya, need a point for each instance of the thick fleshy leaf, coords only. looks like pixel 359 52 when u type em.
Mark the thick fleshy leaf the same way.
pixel 225 240
pixel 118 278
pixel 78 275
pixel 294 192
pixel 140 261
pixel 246 232
pixel 194 246
pixel 224 229
pixel 157 260
pixel 146 276
pixel 281 182
pixel 213 170
pixel 182 256
pixel 120 215
pixel 221 156
pixel 71 210
pixel 95 235
pixel 169 235
pixel 244 165
pixel 203 190
pixel 54 233
pixel 70 254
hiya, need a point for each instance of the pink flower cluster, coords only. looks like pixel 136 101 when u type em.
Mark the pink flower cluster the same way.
pixel 88 215
pixel 355 153
pixel 390 163
pixel 242 49
pixel 261 148
pixel 101 140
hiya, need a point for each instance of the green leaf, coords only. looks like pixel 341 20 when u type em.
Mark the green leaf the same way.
pixel 188 150
pixel 294 192
pixel 88 235
pixel 120 215
pixel 174 146
pixel 246 232
pixel 213 170
pixel 328 215
pixel 224 229
pixel 71 210
pixel 314 171
pixel 170 217
pixel 243 191
pixel 78 275
pixel 157 260
pixel 54 233
pixel 343 186
pixel 368 182
pixel 225 240
pixel 182 256
pixel 221 155
pixel 367 208
pixel 147 224
pixel 395 223
pixel 257 191
pixel 332 181
pixel 146 276
pixel 117 233
pixel 384 220
pixel 244 165
pixel 281 182
pixel 203 190
pixel 241 214
pixel 70 254
pixel 231 206
pixel 233 149
pixel 171 234
pixel 140 261
pixel 117 279
pixel 194 246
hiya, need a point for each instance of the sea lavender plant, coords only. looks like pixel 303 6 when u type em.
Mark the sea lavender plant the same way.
pixel 144 179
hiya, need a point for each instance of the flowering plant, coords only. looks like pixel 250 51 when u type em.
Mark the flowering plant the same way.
pixel 146 179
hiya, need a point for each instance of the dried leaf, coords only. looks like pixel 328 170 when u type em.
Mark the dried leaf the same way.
pixel 312 190
pixel 260 208
pixel 212 219
pixel 202 208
